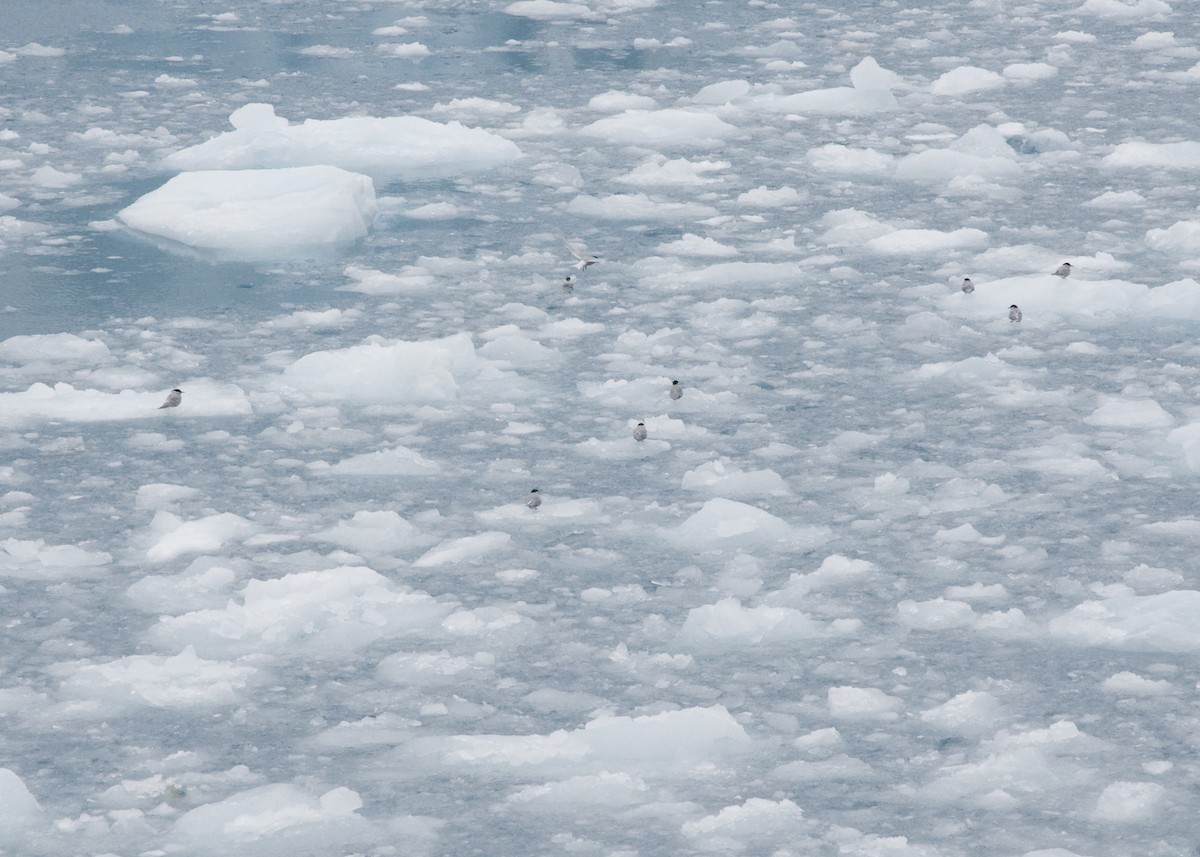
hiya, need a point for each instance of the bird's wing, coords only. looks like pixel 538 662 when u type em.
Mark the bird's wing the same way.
pixel 582 257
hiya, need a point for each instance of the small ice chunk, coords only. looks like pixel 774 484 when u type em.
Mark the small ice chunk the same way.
pixel 965 80
pixel 862 703
pixel 1128 803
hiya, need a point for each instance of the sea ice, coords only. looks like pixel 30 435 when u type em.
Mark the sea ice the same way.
pixel 668 129
pixel 548 10
pixel 609 790
pixel 965 80
pixel 275 821
pixel 714 627
pixel 182 681
pixel 756 820
pixel 33 559
pixel 22 813
pixel 173 537
pixel 673 741
pixel 313 614
pixel 368 532
pixel 722 522
pixel 254 213
pixel 1128 803
pixel 384 148
pixel 862 703
pixel 972 713
pixel 723 478
pixel 1141 623
pixel 465 549
pixel 1120 10
pixel 1184 155
pixel 383 371
pixel 394 461
pixel 870 92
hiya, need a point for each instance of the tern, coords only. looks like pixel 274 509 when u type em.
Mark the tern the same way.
pixel 585 258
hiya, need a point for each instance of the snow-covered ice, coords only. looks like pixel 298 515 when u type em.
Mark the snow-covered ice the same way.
pixel 894 576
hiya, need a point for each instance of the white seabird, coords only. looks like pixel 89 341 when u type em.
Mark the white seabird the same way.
pixel 173 399
pixel 1014 313
pixel 534 500
pixel 585 258
pixel 639 432
pixel 1064 270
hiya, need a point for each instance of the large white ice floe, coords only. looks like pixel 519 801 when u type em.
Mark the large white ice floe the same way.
pixel 275 820
pixel 1083 301
pixel 870 92
pixel 174 537
pixel 311 614
pixel 64 402
pixel 385 148
pixel 727 624
pixel 1120 10
pixel 176 682
pixel 33 559
pixel 677 741
pixel 722 523
pixel 380 371
pixel 255 213
pixel 982 155
pixel 755 821
pixel 548 10
pixel 22 813
pixel 669 129
pixel 965 80
pixel 1141 623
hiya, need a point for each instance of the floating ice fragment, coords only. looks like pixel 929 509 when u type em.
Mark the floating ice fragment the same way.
pixel 176 682
pixel 258 213
pixel 22 813
pixel 385 148
pixel 728 624
pixel 722 478
pixel 606 789
pixel 33 559
pixel 870 93
pixel 1119 10
pixel 862 703
pixel 54 348
pixel 1121 412
pixel 312 614
pixel 972 713
pixel 667 129
pixel 372 533
pixel 1140 623
pixel 275 820
pixel 463 550
pixel 381 371
pixel 1132 684
pixel 965 80
pixel 936 615
pixel 757 820
pixel 548 10
pixel 1128 803
pixel 721 521
pixel 1184 155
